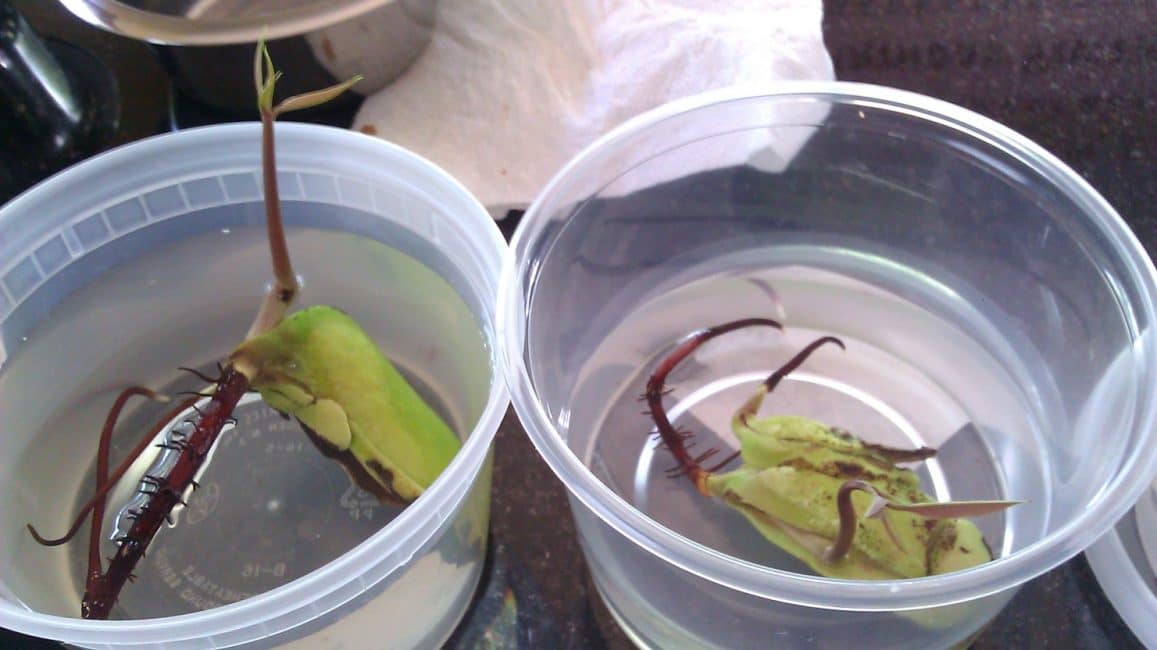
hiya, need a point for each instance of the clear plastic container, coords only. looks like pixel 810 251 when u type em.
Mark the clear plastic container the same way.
pixel 1125 563
pixel 992 304
pixel 152 256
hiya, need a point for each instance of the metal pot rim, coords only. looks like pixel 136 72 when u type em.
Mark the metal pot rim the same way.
pixel 120 18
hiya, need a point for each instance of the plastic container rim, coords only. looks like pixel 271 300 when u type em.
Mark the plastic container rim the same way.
pixel 1124 585
pixel 777 585
pixel 411 529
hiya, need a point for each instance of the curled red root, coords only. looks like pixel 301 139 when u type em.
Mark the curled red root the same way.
pixel 674 439
pixel 105 481
pixel 102 588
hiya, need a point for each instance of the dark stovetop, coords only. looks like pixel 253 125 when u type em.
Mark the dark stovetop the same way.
pixel 1077 76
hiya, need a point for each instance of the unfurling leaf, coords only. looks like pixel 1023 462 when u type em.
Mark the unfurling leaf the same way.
pixel 315 98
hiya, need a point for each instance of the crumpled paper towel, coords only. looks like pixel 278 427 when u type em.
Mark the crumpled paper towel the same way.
pixel 509 90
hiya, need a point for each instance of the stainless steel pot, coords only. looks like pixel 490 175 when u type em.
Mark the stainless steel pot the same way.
pixel 207 45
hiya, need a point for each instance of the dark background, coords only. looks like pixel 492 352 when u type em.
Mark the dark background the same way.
pixel 1078 77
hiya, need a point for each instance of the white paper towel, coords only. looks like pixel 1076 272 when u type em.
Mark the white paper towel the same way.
pixel 509 90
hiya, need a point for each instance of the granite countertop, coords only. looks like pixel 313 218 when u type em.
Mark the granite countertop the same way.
pixel 1077 76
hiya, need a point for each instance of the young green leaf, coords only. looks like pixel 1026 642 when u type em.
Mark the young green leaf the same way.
pixel 315 98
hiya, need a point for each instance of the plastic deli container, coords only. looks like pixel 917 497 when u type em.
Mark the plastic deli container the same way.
pixel 1125 563
pixel 992 305
pixel 153 256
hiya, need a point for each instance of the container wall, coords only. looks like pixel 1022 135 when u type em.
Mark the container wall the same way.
pixel 662 606
pixel 960 227
pixel 152 257
pixel 994 308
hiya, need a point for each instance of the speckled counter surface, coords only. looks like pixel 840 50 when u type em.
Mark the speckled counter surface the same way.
pixel 1078 77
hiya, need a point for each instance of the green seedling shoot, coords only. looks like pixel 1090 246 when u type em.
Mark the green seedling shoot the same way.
pixel 843 506
pixel 316 365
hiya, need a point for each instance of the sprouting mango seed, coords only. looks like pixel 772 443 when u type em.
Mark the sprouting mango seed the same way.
pixel 843 506
pixel 789 487
pixel 320 367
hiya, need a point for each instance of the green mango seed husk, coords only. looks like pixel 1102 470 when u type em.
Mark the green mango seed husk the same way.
pixel 786 488
pixel 320 366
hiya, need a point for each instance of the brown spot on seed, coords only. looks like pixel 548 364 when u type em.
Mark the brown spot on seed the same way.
pixel 356 471
pixel 327 49
pixel 849 470
pixel 386 477
pixel 369 129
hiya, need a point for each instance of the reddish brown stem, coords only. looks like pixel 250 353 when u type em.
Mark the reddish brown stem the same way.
pixel 751 407
pixel 656 386
pixel 275 229
pixel 103 587
pixel 795 362
pixel 285 285
pixel 848 519
pixel 847 513
pixel 102 450
pixel 673 439
pixel 96 503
